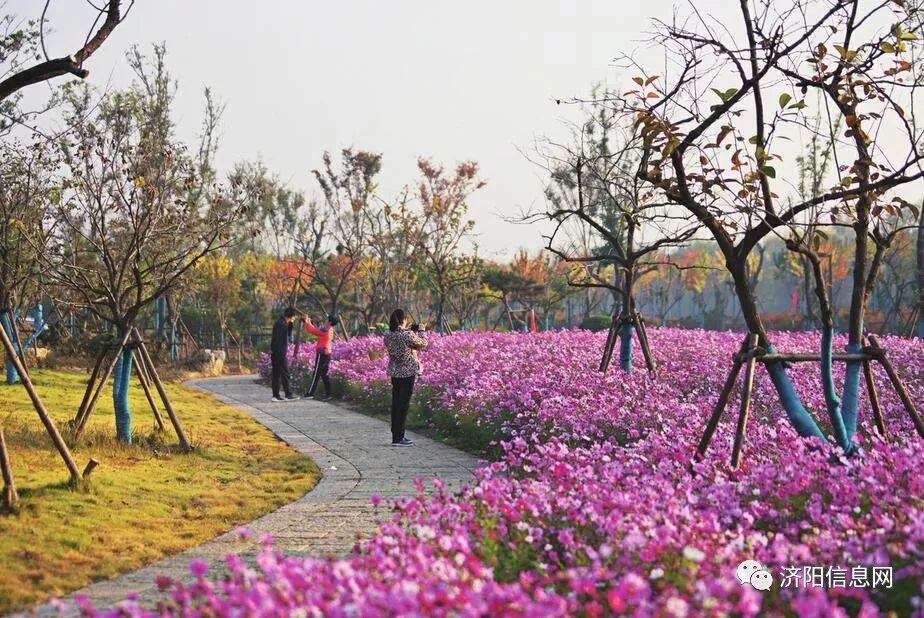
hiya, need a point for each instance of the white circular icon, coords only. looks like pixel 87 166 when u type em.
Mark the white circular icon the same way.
pixel 762 580
pixel 746 569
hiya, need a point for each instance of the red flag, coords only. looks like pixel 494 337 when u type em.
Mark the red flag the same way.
pixel 532 320
pixel 795 300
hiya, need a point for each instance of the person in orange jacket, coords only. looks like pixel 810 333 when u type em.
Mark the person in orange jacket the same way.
pixel 325 335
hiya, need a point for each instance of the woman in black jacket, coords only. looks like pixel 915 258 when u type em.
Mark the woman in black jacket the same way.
pixel 279 351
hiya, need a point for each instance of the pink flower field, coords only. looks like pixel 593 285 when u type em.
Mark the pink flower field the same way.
pixel 590 505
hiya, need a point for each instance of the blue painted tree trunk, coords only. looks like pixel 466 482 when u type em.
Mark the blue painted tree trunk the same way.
pixel 123 413
pixel 159 318
pixel 836 413
pixel 798 416
pixel 173 344
pixel 12 376
pixel 625 347
pixel 40 325
pixel 852 395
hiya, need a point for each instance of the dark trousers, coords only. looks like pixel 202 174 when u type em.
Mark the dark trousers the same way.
pixel 401 389
pixel 321 370
pixel 281 374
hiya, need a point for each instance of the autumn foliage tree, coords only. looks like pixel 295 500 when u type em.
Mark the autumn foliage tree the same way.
pixel 444 229
pixel 332 236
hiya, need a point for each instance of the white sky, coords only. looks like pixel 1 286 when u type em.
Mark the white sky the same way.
pixel 449 80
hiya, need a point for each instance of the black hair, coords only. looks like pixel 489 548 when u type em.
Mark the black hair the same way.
pixel 289 312
pixel 332 319
pixel 396 319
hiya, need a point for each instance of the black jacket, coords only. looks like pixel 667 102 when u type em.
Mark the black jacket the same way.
pixel 279 343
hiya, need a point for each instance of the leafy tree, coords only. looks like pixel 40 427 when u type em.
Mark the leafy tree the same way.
pixel 715 156
pixel 594 186
pixel 26 182
pixel 332 237
pixel 270 207
pixel 444 229
pixel 26 185
pixel 127 201
pixel 218 283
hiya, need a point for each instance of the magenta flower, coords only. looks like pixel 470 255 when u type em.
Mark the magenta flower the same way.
pixel 589 505
pixel 198 568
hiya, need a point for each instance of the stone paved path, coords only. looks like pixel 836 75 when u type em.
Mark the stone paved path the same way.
pixel 356 459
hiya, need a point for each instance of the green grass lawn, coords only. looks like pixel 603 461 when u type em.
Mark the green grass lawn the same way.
pixel 145 501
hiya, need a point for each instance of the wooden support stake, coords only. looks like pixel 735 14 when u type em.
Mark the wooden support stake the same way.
pixel 145 386
pixel 240 351
pixel 96 390
pixel 717 411
pixel 92 381
pixel 720 405
pixel 81 421
pixel 188 338
pixel 745 404
pixel 40 408
pixel 10 497
pixel 152 372
pixel 606 359
pixel 812 358
pixel 643 340
pixel 899 387
pixel 874 400
pixel 90 467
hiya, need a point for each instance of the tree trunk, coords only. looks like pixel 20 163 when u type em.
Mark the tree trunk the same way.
pixel 920 260
pixel 798 416
pixel 7 324
pixel 439 313
pixel 839 412
pixel 809 315
pixel 628 309
pixel 120 384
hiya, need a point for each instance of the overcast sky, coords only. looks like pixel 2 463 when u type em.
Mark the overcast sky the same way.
pixel 449 80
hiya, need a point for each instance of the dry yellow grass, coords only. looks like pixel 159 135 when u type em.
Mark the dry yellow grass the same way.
pixel 145 501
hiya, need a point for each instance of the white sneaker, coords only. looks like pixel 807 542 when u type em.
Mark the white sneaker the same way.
pixel 278 399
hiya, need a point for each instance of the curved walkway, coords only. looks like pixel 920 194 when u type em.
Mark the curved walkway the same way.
pixel 356 459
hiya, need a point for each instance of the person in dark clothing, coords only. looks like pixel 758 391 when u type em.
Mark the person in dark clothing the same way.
pixel 403 368
pixel 324 347
pixel 279 348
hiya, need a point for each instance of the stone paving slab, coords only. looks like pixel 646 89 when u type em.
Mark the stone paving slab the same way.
pixel 356 459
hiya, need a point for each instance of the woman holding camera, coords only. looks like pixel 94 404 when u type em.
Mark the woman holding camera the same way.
pixel 402 345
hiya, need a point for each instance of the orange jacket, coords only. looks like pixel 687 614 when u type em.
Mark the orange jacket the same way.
pixel 324 335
